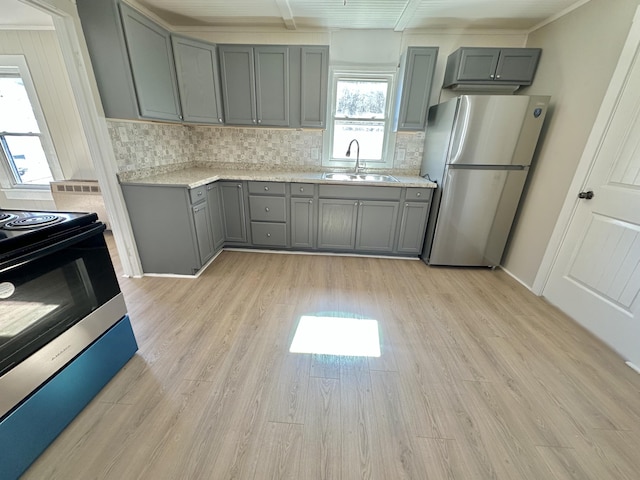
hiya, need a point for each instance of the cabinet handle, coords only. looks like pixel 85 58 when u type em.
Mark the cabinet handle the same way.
pixel 310 202
pixel 200 193
pixel 266 209
pixel 220 120
pixel 355 204
pixel 254 120
pixel 418 194
pixel 196 209
pixel 491 76
pixel 239 186
pixel 301 189
pixel 266 189
pixel 360 203
pixel 406 204
pixel 259 121
pixel 268 234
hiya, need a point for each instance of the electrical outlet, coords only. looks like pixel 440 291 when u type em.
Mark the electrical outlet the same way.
pixel 400 154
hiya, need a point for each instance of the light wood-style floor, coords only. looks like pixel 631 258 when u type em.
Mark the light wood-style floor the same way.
pixel 478 379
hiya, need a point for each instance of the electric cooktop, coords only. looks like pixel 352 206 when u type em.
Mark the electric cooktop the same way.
pixel 19 228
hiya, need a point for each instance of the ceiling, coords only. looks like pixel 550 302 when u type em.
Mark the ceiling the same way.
pixel 360 14
pixel 329 14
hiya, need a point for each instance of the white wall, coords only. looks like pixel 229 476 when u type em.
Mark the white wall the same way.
pixel 580 51
pixel 49 74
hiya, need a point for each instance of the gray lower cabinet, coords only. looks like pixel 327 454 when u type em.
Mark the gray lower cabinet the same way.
pixel 215 215
pixel 412 227
pixel 171 236
pixel 337 224
pixel 234 217
pixel 255 84
pixel 376 226
pixel 302 222
pixel 198 80
pixel 268 214
pixel 202 223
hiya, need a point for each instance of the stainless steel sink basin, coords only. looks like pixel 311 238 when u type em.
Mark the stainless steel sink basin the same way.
pixel 359 177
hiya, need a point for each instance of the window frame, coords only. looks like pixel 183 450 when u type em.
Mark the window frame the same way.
pixel 336 74
pixel 7 175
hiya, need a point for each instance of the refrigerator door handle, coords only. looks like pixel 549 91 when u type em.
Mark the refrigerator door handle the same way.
pixel 488 167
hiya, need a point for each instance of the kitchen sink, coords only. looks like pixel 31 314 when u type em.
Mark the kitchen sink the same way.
pixel 359 177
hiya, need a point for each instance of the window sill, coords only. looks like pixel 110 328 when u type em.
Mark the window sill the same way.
pixel 42 193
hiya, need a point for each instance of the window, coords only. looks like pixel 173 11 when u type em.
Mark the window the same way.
pixel 361 108
pixel 25 148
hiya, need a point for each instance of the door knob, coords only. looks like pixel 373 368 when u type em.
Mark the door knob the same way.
pixel 587 195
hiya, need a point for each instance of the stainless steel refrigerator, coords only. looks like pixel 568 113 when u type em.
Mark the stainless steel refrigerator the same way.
pixel 478 149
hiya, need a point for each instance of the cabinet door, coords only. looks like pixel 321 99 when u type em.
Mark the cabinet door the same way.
pixel 272 85
pixel 238 84
pixel 412 227
pixel 313 83
pixel 151 58
pixel 337 224
pixel 302 223
pixel 197 71
pixel 376 226
pixel 233 212
pixel 478 63
pixel 517 65
pixel 203 231
pixel 215 216
pixel 416 87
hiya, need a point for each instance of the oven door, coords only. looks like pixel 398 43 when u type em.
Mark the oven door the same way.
pixel 45 297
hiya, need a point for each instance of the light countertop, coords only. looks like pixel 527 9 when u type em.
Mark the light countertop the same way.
pixel 198 176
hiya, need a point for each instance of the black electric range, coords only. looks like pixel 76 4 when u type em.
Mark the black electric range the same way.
pixel 22 231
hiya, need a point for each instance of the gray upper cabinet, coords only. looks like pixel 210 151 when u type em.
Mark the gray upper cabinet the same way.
pixel 132 60
pixel 198 80
pixel 314 74
pixel 418 66
pixel 491 66
pixel 255 84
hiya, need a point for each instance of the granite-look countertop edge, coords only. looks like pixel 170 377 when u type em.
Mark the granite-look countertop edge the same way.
pixel 196 177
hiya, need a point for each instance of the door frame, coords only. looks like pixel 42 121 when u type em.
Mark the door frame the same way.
pixel 630 51
pixel 83 84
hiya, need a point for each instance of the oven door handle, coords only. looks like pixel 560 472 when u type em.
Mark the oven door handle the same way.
pixel 46 248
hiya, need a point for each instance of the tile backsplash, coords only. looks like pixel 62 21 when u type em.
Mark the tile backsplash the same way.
pixel 143 148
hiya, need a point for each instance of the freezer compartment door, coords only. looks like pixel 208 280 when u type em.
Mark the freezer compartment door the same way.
pixel 475 216
pixel 496 129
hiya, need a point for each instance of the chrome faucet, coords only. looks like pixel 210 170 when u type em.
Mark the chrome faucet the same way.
pixel 358 167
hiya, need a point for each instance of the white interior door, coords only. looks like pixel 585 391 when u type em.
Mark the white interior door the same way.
pixel 596 275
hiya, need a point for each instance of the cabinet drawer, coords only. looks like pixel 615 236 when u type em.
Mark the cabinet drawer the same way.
pixel 272 234
pixel 198 193
pixel 266 188
pixel 302 189
pixel 419 194
pixel 267 209
pixel 360 192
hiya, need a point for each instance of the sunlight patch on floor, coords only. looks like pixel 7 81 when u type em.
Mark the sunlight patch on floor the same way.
pixel 337 336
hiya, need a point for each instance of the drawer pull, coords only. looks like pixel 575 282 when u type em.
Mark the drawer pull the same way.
pixel 200 193
pixel 310 202
pixel 266 209
pixel 239 186
pixel 301 189
pixel 418 194
pixel 266 189
pixel 268 234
